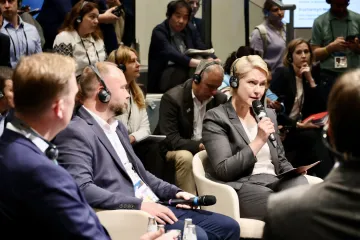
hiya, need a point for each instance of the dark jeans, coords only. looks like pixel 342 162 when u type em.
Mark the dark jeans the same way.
pixel 254 193
pixel 209 225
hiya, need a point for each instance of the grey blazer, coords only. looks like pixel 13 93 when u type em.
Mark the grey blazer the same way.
pixel 325 211
pixel 227 144
pixel 86 152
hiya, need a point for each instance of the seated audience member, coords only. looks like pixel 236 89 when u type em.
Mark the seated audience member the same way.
pixel 297 86
pixel 182 110
pixel 80 36
pixel 24 38
pixel 269 38
pixel 239 151
pixel 96 150
pixel 135 117
pixel 32 184
pixel 328 210
pixel 168 64
pixel 51 17
pixel 6 96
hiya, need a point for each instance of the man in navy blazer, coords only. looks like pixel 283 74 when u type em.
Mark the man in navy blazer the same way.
pixel 96 150
pixel 38 198
pixel 168 65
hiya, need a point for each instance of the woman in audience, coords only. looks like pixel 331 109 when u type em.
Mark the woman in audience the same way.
pixel 269 38
pixel 135 117
pixel 80 36
pixel 296 83
pixel 239 151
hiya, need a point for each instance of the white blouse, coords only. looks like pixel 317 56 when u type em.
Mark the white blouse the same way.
pixel 85 51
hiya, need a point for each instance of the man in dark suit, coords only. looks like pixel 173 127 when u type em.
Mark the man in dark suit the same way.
pixel 168 65
pixel 6 96
pixel 182 110
pixel 96 150
pixel 36 193
pixel 329 210
pixel 4 50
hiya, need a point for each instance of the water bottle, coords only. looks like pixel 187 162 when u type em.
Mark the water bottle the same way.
pixel 188 222
pixel 152 225
pixel 190 233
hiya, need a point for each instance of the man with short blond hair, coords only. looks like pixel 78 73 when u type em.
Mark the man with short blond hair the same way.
pixel 32 183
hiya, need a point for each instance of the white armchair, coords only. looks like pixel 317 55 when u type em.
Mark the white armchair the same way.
pixel 124 224
pixel 227 199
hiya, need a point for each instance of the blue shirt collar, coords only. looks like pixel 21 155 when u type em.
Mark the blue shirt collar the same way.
pixel 6 23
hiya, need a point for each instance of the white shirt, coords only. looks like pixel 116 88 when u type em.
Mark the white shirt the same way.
pixel 69 43
pixel 110 132
pixel 199 114
pixel 299 99
pixel 2 124
pixel 263 163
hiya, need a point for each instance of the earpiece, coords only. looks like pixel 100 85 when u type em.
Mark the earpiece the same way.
pixel 289 57
pixel 104 94
pixel 122 67
pixel 197 76
pixel 1 94
pixel 79 19
pixel 234 81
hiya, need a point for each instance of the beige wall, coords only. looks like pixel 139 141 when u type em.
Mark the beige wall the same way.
pixel 228 29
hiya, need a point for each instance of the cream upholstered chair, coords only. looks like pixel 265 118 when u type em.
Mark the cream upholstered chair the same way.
pixel 124 224
pixel 227 199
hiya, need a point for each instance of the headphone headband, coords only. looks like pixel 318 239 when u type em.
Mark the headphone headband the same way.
pixel 197 76
pixel 104 95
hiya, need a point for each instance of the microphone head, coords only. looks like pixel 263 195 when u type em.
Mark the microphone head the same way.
pixel 258 107
pixel 207 200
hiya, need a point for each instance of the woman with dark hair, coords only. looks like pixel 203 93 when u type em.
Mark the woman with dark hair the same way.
pixel 269 38
pixel 296 83
pixel 80 36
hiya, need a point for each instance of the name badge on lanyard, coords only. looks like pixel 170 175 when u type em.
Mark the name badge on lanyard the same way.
pixel 340 60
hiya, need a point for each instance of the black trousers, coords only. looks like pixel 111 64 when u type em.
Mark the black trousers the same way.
pixel 255 191
pixel 173 76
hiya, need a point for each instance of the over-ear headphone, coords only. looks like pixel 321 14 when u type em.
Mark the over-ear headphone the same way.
pixel 52 152
pixel 234 81
pixel 79 18
pixel 121 66
pixel 104 94
pixel 197 76
pixel 289 57
pixel 171 7
pixel 1 94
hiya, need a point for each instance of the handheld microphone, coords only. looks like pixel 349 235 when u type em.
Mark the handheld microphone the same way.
pixel 261 113
pixel 206 200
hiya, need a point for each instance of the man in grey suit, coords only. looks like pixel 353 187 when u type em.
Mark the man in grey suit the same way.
pixel 96 150
pixel 329 210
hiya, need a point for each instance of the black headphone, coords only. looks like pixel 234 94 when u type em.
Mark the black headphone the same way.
pixel 121 66
pixel 197 76
pixel 104 94
pixel 171 7
pixel 52 152
pixel 289 57
pixel 234 81
pixel 79 18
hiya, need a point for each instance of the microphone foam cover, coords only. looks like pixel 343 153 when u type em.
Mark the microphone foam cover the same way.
pixel 208 200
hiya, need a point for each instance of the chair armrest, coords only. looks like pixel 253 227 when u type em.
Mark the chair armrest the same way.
pixel 124 224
